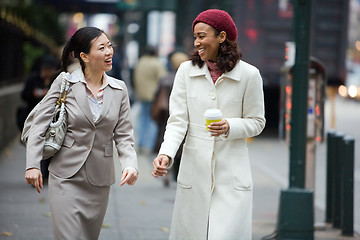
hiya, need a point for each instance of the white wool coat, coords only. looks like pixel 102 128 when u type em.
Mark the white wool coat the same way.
pixel 214 192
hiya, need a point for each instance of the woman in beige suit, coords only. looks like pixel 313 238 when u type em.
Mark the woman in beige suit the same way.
pixel 98 110
pixel 214 185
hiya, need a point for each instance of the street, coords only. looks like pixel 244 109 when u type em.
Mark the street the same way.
pixel 347 114
pixel 144 211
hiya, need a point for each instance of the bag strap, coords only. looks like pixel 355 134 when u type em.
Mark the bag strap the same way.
pixel 63 91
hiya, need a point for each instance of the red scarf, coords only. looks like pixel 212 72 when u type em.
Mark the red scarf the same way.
pixel 214 70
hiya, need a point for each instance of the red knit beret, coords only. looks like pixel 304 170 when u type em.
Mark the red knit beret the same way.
pixel 220 20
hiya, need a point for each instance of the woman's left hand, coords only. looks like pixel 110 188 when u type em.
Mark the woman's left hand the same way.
pixel 218 128
pixel 129 176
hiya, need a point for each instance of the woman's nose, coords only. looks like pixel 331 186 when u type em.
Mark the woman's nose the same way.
pixel 108 51
pixel 196 43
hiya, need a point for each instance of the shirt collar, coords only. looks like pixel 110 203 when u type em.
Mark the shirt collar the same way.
pixel 78 76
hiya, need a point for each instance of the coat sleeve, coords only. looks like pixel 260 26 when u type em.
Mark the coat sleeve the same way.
pixel 252 121
pixel 40 124
pixel 177 123
pixel 124 134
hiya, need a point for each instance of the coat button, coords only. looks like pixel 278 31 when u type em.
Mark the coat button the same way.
pixel 212 95
pixel 88 147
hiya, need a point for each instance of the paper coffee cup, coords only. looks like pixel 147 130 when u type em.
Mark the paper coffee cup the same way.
pixel 212 115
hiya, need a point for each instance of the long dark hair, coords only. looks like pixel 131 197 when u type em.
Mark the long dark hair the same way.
pixel 78 43
pixel 228 55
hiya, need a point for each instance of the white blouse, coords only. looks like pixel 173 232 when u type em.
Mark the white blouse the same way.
pixel 95 100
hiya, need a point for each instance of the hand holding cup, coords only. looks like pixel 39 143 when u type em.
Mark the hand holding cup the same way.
pixel 215 125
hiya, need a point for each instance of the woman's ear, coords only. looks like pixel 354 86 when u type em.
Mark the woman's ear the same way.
pixel 84 57
pixel 222 36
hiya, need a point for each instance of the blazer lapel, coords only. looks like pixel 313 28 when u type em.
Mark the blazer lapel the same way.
pixel 108 96
pixel 81 99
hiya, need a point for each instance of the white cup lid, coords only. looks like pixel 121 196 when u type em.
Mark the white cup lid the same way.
pixel 213 114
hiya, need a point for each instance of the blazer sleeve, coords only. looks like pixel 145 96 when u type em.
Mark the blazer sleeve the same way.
pixel 124 134
pixel 252 121
pixel 41 122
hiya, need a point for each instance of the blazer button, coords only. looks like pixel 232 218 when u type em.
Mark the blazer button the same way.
pixel 92 129
pixel 88 147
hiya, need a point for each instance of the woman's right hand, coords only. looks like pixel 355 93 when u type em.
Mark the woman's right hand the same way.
pixel 33 176
pixel 160 164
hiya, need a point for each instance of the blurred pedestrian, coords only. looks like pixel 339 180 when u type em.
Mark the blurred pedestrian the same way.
pixel 160 108
pixel 147 74
pixel 36 87
pixel 98 114
pixel 214 191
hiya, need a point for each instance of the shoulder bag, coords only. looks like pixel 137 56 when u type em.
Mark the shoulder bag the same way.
pixel 56 132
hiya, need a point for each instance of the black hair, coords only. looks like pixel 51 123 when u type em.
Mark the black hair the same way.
pixel 150 50
pixel 78 43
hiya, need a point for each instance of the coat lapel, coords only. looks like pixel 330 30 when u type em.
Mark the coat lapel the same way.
pixel 81 99
pixel 234 74
pixel 203 71
pixel 108 96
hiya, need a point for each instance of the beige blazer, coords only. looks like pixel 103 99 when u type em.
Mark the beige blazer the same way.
pixel 86 142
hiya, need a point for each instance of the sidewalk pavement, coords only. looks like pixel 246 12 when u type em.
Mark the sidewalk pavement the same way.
pixel 143 211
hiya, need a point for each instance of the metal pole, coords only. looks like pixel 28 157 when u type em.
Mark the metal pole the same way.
pixel 330 176
pixel 300 93
pixel 347 181
pixel 296 215
pixel 337 177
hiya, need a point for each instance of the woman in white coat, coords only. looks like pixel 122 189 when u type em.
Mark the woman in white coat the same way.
pixel 214 193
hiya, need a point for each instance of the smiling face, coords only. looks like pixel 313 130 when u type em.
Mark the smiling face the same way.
pixel 100 56
pixel 207 42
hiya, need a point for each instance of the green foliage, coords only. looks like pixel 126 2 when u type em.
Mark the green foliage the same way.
pixel 42 18
pixel 31 53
